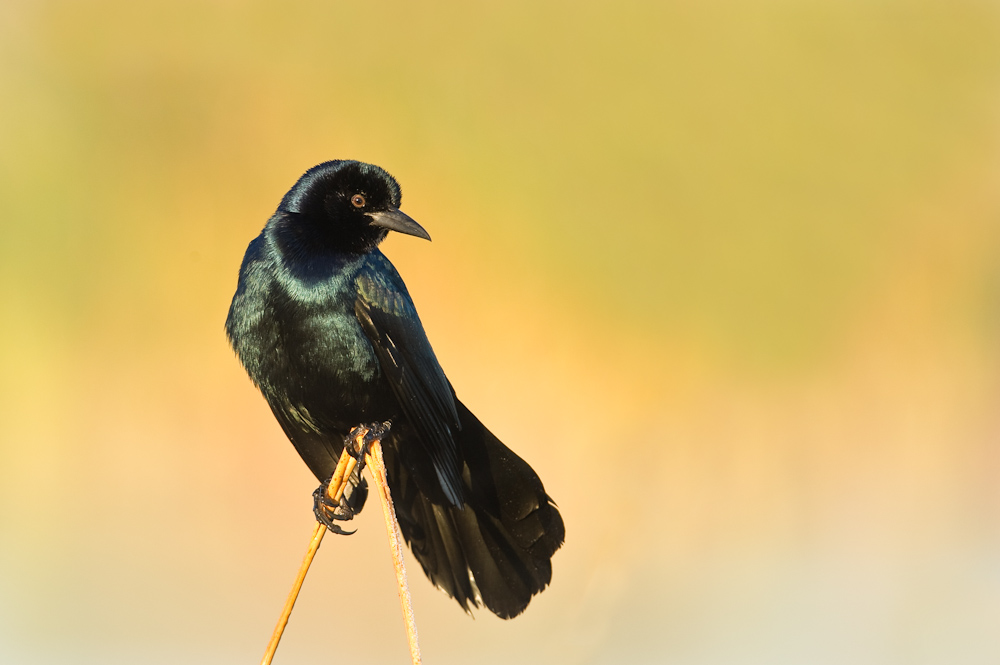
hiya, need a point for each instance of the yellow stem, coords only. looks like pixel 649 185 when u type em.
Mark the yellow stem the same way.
pixel 335 490
pixel 377 465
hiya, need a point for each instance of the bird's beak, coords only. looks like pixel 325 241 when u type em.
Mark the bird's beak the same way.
pixel 396 220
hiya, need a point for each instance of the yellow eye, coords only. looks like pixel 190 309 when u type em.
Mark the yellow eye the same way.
pixel 358 201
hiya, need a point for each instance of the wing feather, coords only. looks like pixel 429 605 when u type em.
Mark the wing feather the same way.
pixel 390 322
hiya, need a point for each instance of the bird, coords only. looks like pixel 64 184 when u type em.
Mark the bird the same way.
pixel 326 329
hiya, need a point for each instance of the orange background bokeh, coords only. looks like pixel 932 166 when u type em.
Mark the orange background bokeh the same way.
pixel 726 274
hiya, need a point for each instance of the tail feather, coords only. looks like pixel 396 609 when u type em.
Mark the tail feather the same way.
pixel 496 549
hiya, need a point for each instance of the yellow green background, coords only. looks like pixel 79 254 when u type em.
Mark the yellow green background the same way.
pixel 726 273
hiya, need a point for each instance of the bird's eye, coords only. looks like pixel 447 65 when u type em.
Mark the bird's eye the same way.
pixel 358 201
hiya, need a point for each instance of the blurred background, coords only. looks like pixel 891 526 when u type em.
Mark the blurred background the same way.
pixel 727 274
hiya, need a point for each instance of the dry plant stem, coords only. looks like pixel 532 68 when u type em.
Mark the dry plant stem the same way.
pixel 345 466
pixel 286 611
pixel 377 466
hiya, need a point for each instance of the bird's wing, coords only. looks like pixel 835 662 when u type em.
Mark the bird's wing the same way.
pixel 390 321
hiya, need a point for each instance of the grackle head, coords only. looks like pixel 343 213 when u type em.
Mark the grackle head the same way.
pixel 347 205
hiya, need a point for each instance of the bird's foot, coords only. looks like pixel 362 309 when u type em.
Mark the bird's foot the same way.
pixel 362 437
pixel 326 511
pixel 356 445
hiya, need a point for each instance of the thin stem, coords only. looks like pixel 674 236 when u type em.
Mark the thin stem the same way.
pixel 286 611
pixel 335 490
pixel 377 466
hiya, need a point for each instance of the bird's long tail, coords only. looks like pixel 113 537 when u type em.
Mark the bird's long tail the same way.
pixel 497 548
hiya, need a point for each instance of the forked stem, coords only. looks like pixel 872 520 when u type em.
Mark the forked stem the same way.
pixel 335 490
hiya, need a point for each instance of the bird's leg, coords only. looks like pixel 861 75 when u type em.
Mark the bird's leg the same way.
pixel 329 500
pixel 326 511
pixel 329 503
pixel 364 437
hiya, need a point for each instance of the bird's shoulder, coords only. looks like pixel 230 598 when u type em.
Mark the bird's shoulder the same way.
pixel 379 286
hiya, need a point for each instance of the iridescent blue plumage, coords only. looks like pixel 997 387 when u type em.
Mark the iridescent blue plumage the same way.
pixel 325 327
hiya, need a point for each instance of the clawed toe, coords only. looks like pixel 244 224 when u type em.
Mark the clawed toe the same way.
pixel 356 444
pixel 376 432
pixel 326 511
pixel 362 437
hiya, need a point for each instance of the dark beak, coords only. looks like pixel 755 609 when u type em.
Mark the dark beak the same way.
pixel 394 220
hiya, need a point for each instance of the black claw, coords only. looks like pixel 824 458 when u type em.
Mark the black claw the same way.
pixel 326 511
pixel 359 432
pixel 365 435
pixel 375 432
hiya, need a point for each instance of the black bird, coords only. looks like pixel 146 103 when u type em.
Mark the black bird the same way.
pixel 326 329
